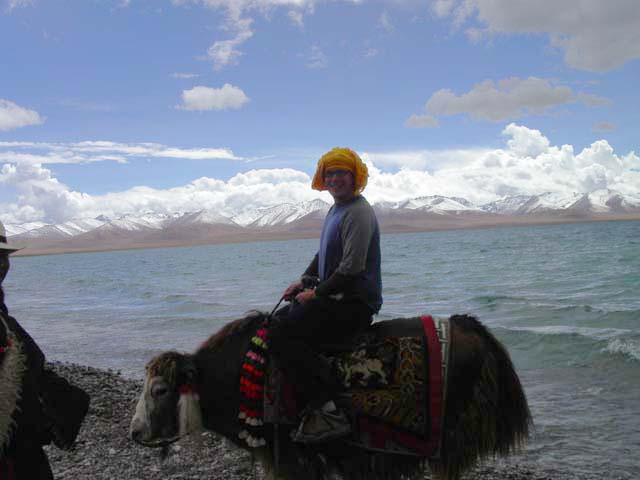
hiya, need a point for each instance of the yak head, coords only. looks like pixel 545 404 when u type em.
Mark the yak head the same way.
pixel 169 407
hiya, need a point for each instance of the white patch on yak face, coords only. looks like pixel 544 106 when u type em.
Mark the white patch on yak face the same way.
pixel 156 411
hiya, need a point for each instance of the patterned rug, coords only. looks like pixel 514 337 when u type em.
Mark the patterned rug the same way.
pixel 386 381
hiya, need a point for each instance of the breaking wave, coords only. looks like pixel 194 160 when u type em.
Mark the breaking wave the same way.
pixel 629 348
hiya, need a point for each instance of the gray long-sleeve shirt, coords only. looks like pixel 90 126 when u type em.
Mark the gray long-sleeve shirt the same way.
pixel 348 260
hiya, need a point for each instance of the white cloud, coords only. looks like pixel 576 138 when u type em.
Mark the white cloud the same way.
pixel 225 53
pixel 272 176
pixel 238 7
pixel 594 35
pixel 507 99
pixel 207 98
pixel 99 151
pixel 525 142
pixel 60 157
pixel 316 58
pixel 44 198
pixel 421 121
pixel 14 116
pixel 427 160
pixel 528 164
pixel 41 195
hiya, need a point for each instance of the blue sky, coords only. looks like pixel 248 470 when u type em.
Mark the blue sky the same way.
pixel 112 106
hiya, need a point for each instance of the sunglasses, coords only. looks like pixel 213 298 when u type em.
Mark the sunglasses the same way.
pixel 336 173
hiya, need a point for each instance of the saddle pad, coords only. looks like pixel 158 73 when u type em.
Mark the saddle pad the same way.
pixel 386 381
pixel 394 387
pixel 406 416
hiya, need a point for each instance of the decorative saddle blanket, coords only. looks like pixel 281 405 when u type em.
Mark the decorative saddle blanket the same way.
pixel 394 387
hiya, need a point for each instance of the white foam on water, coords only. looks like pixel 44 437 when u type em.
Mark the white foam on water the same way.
pixel 630 348
pixel 594 391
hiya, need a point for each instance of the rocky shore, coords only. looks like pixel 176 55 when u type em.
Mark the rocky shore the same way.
pixel 104 451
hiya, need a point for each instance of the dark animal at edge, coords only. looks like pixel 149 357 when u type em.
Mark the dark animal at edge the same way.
pixel 486 411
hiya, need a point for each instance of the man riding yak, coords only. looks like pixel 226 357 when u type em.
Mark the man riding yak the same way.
pixel 416 390
pixel 36 405
pixel 334 299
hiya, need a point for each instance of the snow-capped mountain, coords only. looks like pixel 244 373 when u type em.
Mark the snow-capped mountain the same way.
pixel 66 229
pixel 597 202
pixel 305 219
pixel 434 204
pixel 13 230
pixel 279 214
pixel 202 217
pixel 133 223
pixel 609 201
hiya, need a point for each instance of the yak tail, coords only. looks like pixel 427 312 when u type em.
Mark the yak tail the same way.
pixel 487 412
pixel 189 413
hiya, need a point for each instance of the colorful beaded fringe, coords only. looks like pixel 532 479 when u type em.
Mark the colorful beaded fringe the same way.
pixel 252 390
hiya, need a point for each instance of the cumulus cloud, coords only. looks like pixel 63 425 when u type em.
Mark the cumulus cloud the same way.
pixel 43 198
pixel 527 164
pixel 41 195
pixel 14 116
pixel 206 98
pixel 594 35
pixel 508 99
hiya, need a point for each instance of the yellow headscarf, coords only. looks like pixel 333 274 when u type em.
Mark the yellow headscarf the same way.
pixel 344 159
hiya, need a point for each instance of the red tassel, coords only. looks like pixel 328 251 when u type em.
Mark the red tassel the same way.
pixel 187 389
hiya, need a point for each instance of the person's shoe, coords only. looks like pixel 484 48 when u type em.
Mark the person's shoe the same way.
pixel 319 426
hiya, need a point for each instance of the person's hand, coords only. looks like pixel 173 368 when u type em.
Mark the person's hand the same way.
pixel 305 296
pixel 292 290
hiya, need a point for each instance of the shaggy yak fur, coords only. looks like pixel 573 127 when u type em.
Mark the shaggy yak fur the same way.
pixel 486 411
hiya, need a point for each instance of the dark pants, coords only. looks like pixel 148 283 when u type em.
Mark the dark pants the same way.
pixel 295 341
